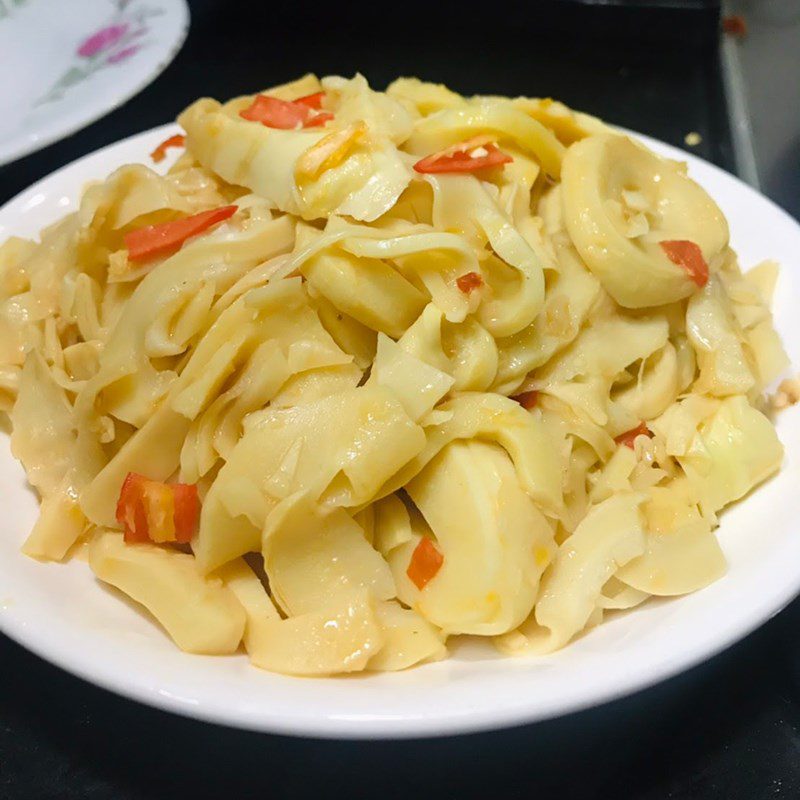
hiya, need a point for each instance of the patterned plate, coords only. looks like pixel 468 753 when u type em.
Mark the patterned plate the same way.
pixel 68 63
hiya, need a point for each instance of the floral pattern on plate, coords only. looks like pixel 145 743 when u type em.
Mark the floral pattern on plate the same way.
pixel 113 44
pixel 7 6
pixel 75 60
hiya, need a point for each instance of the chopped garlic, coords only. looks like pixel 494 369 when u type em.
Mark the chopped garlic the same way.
pixel 788 393
pixel 105 430
pixel 791 386
pixel 475 143
pixel 118 264
pixel 637 226
pixel 479 152
pixel 329 151
pixel 635 200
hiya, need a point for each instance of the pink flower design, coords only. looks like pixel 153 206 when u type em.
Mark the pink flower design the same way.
pixel 102 40
pixel 123 55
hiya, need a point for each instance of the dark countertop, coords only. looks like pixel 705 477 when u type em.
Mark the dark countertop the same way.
pixel 727 729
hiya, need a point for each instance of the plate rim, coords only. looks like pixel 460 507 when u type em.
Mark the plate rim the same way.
pixel 21 146
pixel 451 722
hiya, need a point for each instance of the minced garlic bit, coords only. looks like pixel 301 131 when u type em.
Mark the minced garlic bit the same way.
pixel 329 151
pixel 787 395
pixel 637 226
pixel 471 146
pixel 118 264
pixel 635 200
pixel 479 152
pixel 693 138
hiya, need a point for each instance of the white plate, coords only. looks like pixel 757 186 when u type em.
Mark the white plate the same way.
pixel 64 615
pixel 73 61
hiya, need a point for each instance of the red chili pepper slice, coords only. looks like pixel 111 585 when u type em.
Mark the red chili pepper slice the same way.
pixel 426 561
pixel 688 255
pixel 527 400
pixel 629 437
pixel 480 152
pixel 284 114
pixel 153 511
pixel 158 240
pixel 160 153
pixel 469 282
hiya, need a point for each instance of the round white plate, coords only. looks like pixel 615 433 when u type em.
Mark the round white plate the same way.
pixel 69 62
pixel 61 613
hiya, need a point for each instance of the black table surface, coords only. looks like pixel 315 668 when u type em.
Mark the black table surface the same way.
pixel 727 729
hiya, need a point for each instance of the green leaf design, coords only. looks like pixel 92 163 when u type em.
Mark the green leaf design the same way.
pixel 71 77
pixel 7 6
pixel 136 19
